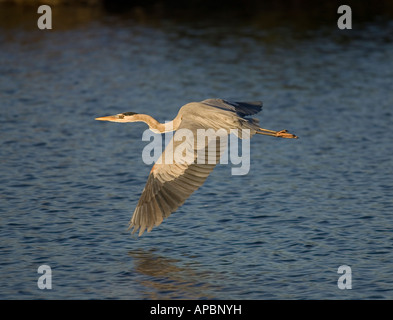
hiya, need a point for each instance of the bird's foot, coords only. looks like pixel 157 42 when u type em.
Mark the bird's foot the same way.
pixel 278 134
pixel 285 134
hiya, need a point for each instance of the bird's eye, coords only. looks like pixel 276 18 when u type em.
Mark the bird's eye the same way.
pixel 121 116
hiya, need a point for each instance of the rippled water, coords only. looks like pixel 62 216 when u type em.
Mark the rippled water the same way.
pixel 69 184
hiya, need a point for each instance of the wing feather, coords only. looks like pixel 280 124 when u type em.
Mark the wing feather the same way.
pixel 169 185
pixel 241 108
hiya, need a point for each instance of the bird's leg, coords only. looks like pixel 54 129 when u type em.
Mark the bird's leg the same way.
pixel 279 134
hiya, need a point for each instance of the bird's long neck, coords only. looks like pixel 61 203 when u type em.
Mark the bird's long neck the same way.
pixel 156 126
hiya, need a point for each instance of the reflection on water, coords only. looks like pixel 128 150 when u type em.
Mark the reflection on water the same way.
pixel 166 278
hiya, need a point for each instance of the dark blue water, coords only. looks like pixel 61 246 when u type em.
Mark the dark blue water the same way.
pixel 69 184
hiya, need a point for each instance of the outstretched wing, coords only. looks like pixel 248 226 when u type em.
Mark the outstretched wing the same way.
pixel 241 108
pixel 181 169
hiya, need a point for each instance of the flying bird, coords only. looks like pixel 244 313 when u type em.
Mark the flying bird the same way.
pixel 170 183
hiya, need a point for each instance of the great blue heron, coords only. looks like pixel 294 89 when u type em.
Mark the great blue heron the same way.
pixel 170 184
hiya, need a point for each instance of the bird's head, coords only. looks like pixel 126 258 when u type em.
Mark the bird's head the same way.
pixel 121 117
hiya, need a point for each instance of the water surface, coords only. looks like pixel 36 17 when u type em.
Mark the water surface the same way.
pixel 69 184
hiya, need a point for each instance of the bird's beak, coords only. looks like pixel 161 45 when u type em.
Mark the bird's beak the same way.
pixel 108 118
